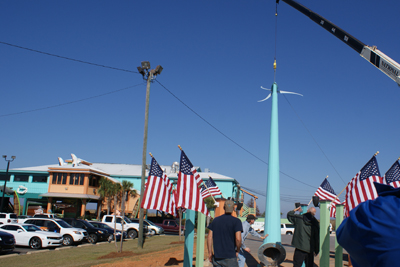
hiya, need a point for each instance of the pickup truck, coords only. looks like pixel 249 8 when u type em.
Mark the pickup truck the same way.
pixel 170 226
pixel 287 229
pixel 131 228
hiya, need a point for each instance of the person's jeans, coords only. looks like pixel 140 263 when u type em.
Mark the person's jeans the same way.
pixel 231 262
pixel 242 258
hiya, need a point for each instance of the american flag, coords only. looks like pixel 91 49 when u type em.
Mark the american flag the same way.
pixel 326 192
pixel 188 191
pixel 392 176
pixel 159 194
pixel 361 188
pixel 209 187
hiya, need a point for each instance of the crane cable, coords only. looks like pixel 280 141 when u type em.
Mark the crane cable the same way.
pixel 276 34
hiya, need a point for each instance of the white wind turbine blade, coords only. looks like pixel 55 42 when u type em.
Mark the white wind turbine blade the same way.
pixel 267 96
pixel 286 92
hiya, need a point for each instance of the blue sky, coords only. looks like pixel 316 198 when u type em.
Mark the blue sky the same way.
pixel 215 55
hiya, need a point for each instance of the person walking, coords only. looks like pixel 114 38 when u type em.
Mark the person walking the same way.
pixel 247 229
pixel 305 237
pixel 225 237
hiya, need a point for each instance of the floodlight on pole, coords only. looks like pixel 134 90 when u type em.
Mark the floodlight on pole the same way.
pixel 149 76
pixel 5 181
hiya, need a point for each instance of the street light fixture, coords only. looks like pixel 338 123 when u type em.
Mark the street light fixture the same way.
pixel 149 76
pixel 5 181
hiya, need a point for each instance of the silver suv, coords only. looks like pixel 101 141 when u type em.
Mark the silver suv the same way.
pixel 8 218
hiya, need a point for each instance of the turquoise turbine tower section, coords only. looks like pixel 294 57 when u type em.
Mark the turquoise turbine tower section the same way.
pixel 272 253
pixel 272 205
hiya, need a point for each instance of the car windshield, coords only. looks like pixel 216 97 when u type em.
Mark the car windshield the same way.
pixel 31 228
pixel 88 224
pixel 63 224
pixel 13 216
pixel 151 223
pixel 105 226
pixel 127 220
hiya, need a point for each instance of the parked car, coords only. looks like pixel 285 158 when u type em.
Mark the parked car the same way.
pixel 23 217
pixel 69 233
pixel 94 233
pixel 110 230
pixel 258 226
pixel 7 242
pixel 45 215
pixel 287 229
pixel 32 236
pixel 131 228
pixel 170 225
pixel 153 229
pixel 8 218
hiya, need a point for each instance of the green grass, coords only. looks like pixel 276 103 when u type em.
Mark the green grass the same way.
pixel 88 255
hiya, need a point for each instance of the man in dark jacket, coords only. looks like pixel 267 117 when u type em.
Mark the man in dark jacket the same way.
pixel 305 237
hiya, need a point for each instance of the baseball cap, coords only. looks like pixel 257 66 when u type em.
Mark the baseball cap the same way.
pixel 251 217
pixel 229 205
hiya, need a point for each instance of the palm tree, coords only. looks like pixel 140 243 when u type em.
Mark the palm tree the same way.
pixel 126 191
pixel 105 191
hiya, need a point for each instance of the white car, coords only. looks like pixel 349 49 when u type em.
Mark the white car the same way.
pixel 8 218
pixel 69 233
pixel 31 235
pixel 153 229
pixel 258 226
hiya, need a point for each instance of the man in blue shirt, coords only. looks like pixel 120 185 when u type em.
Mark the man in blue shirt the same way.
pixel 371 234
pixel 225 237
pixel 247 230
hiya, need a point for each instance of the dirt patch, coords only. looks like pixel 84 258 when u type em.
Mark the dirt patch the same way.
pixel 177 242
pixel 169 257
pixel 118 255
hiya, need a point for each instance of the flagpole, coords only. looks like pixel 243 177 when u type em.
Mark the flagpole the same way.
pixel 377 152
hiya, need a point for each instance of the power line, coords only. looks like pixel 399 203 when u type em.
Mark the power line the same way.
pixel 104 66
pixel 67 58
pixel 68 103
pixel 315 141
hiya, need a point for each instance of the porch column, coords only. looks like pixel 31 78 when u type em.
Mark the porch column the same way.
pixel 83 208
pixel 49 200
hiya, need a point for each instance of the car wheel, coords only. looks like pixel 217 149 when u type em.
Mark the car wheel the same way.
pixel 132 234
pixel 35 243
pixel 92 238
pixel 110 238
pixel 152 232
pixel 67 240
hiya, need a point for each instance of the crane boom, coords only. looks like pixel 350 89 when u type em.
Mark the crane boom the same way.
pixel 376 57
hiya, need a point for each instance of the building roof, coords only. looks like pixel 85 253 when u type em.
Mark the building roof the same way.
pixel 120 170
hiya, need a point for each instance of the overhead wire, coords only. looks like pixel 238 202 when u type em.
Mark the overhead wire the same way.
pixel 69 103
pixel 169 91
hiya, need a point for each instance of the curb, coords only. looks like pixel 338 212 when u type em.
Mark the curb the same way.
pixel 39 251
pixel 61 248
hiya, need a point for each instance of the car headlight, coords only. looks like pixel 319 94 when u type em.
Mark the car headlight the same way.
pixel 100 231
pixel 77 232
pixel 1 239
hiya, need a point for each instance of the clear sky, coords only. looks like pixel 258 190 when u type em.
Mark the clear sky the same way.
pixel 215 55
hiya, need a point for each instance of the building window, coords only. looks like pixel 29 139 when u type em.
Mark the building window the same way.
pixel 39 179
pixel 4 177
pixel 76 178
pixel 59 178
pixel 94 180
pixel 21 178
